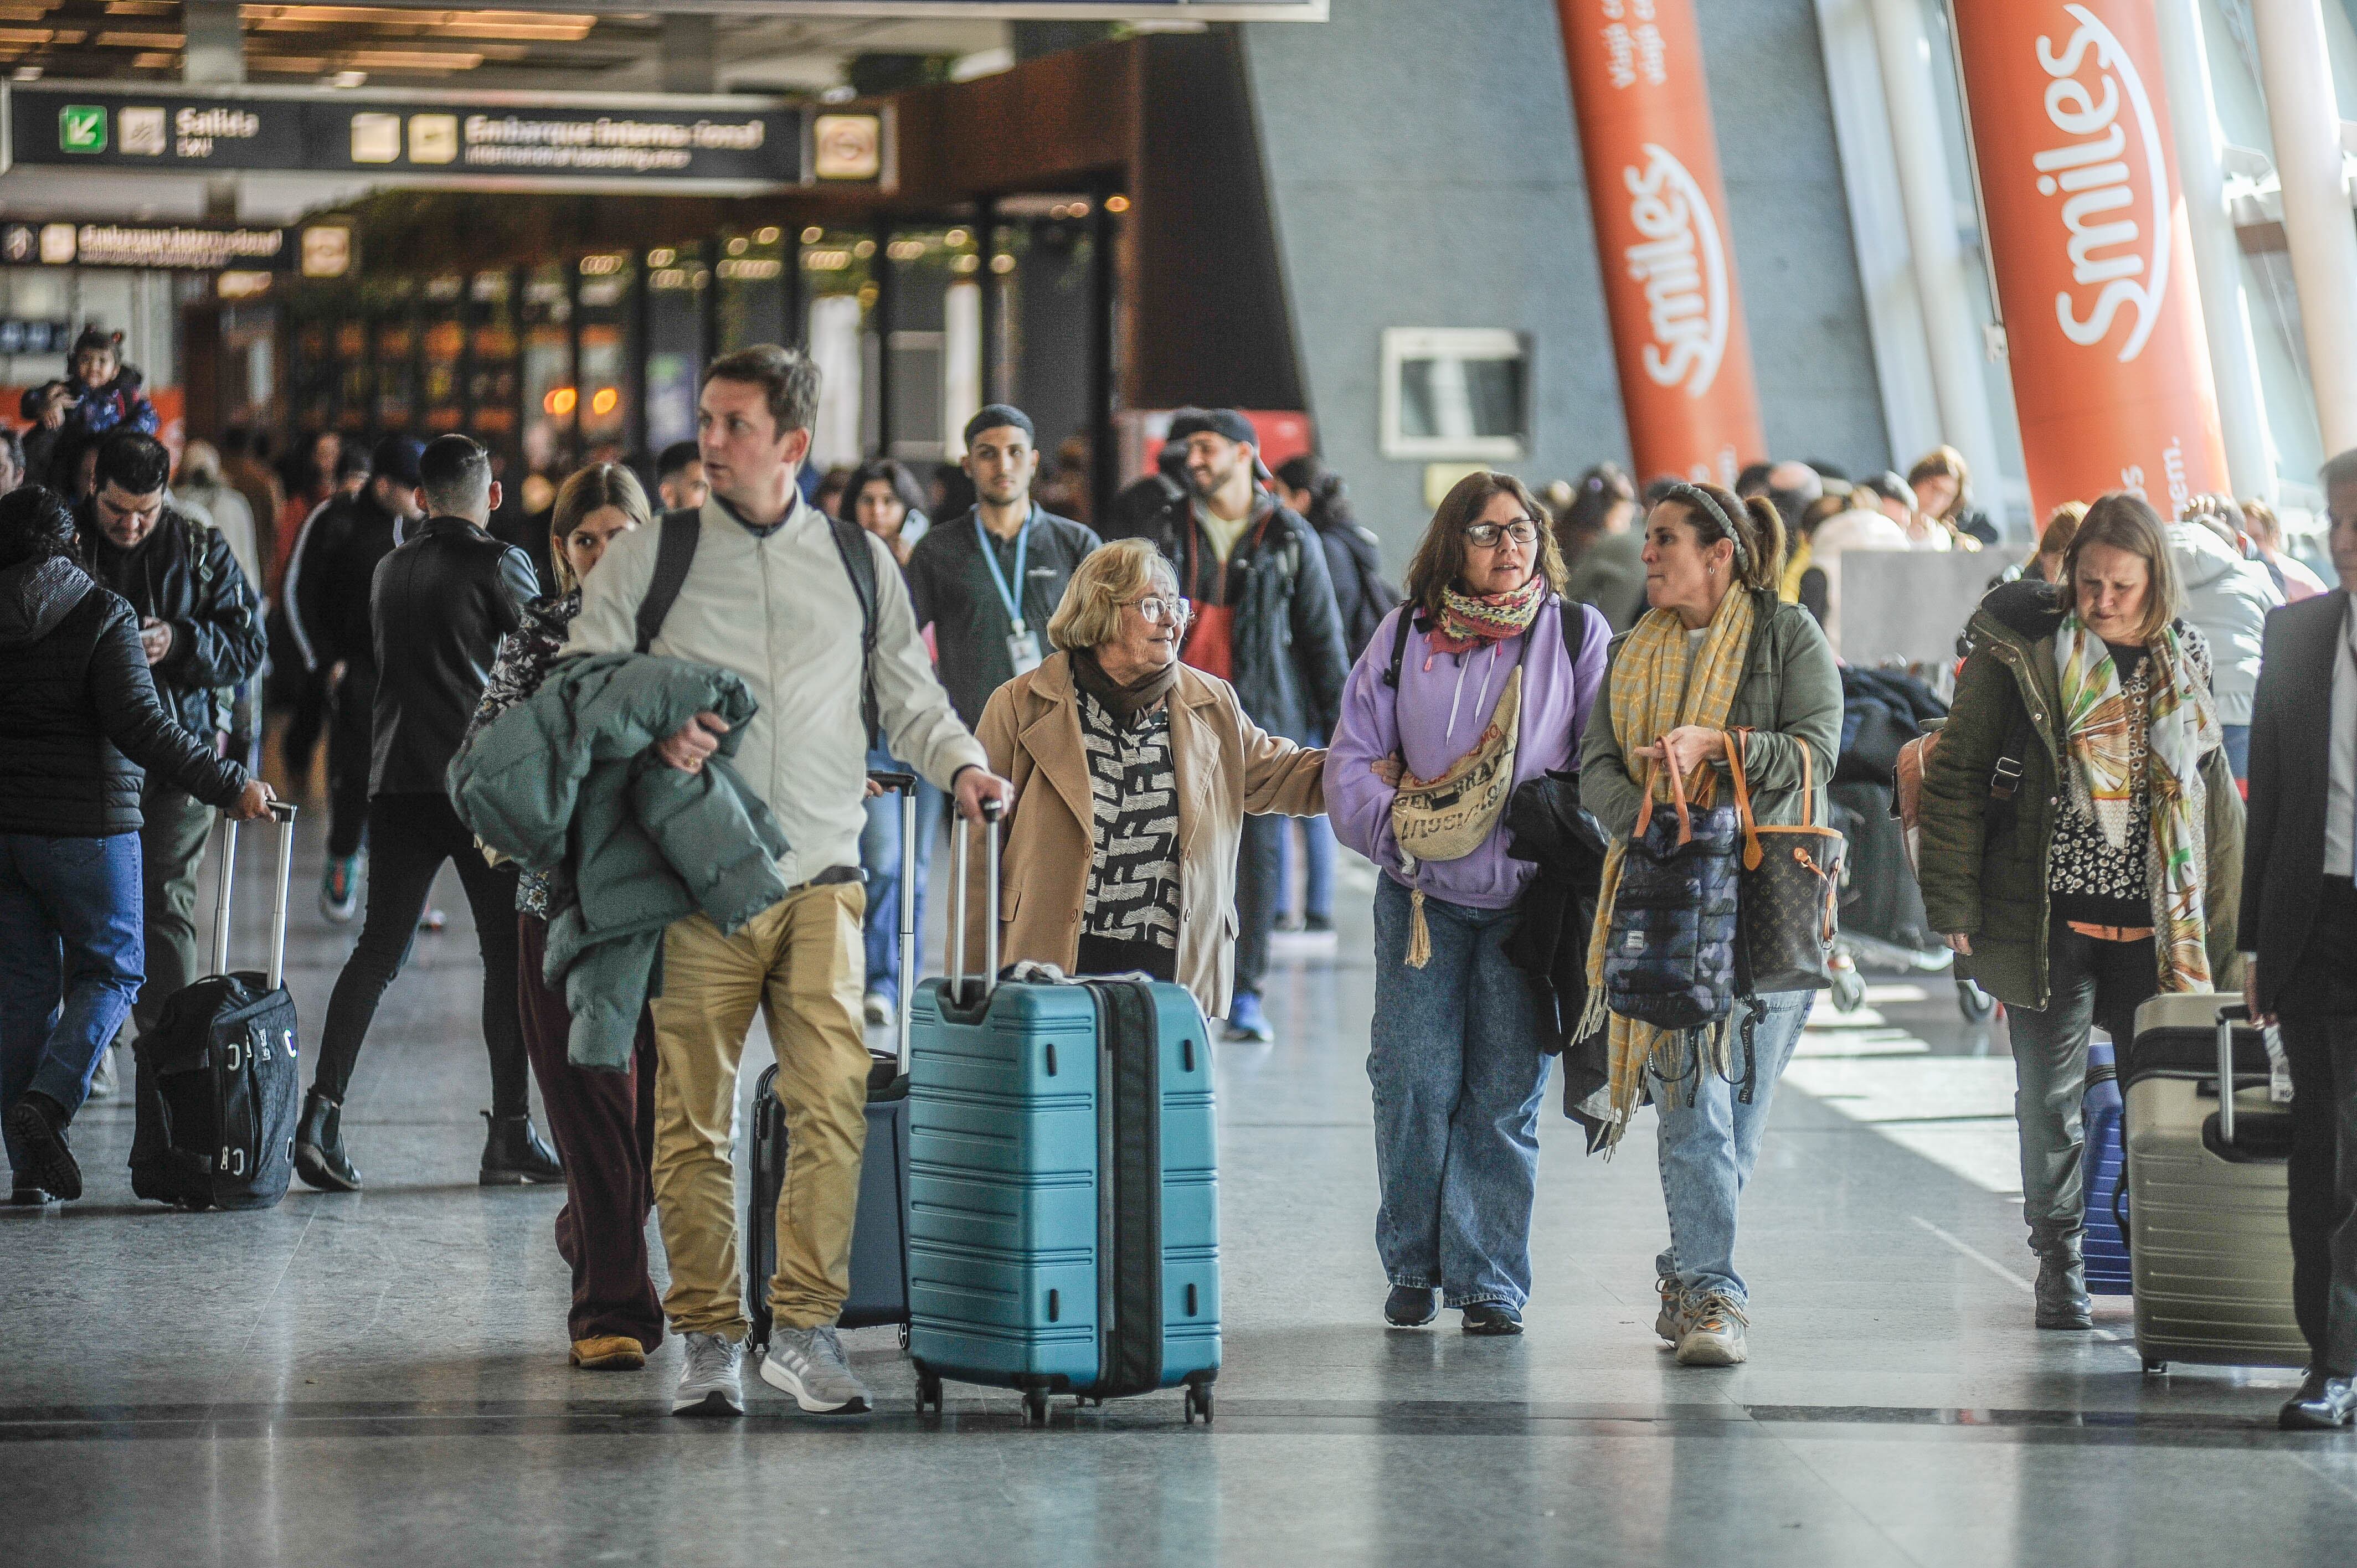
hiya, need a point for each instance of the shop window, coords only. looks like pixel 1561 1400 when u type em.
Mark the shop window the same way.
pixel 1455 392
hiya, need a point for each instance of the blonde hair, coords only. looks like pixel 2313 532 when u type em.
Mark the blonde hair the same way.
pixel 1114 574
pixel 593 489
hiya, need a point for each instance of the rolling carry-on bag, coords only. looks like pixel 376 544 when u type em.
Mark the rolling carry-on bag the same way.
pixel 2105 1164
pixel 879 1229
pixel 2209 1245
pixel 1064 1203
pixel 221 1074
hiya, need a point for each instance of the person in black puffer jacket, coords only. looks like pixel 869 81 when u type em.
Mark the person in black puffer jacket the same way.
pixel 82 720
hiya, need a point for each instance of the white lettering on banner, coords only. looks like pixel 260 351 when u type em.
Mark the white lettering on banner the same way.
pixel 238 124
pixel 1683 266
pixel 2095 181
pixel 510 140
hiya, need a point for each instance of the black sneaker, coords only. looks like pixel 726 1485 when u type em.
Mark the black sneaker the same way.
pixel 1316 924
pixel 1411 1307
pixel 1492 1317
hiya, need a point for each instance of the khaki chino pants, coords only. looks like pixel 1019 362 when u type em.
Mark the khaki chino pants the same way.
pixel 801 962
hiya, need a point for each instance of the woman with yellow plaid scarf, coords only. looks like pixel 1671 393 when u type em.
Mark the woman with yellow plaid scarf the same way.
pixel 1717 662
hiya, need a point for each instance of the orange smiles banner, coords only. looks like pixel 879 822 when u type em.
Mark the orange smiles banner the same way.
pixel 1662 236
pixel 2093 260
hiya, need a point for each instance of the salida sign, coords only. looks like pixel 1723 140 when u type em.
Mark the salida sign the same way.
pixel 1661 226
pixel 2094 261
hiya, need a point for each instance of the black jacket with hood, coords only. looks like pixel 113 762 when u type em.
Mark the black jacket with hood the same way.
pixel 80 714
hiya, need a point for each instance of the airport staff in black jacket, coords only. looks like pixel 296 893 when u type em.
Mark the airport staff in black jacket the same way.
pixel 440 604
pixel 2300 894
pixel 200 628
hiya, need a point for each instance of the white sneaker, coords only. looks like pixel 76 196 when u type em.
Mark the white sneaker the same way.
pixel 879 1008
pixel 103 1082
pixel 808 1363
pixel 711 1383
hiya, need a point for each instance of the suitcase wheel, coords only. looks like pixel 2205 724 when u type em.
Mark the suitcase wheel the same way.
pixel 1849 991
pixel 2153 1368
pixel 1198 1401
pixel 1974 1003
pixel 904 1337
pixel 929 1392
pixel 1035 1407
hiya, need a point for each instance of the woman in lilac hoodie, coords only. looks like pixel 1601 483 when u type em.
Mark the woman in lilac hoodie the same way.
pixel 1456 1057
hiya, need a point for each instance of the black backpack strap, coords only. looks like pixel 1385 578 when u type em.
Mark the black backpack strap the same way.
pixel 1399 646
pixel 674 554
pixel 859 561
pixel 2006 773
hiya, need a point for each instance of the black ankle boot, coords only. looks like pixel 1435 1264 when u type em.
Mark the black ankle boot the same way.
pixel 320 1146
pixel 39 1123
pixel 513 1154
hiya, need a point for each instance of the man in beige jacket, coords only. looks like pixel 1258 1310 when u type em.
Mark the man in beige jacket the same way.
pixel 771 594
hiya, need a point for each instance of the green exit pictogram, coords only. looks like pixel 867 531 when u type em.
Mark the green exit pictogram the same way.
pixel 81 128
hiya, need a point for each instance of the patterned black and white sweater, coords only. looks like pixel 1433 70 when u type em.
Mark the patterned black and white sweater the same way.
pixel 1133 893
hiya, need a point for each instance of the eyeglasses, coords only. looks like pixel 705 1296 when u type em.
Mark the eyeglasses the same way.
pixel 1485 535
pixel 1158 610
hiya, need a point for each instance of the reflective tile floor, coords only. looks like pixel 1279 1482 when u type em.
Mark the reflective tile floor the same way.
pixel 380 1378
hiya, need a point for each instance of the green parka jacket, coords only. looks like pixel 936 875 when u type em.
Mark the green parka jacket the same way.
pixel 1990 883
pixel 563 779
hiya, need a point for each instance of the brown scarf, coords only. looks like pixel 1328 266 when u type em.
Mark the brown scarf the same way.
pixel 1125 701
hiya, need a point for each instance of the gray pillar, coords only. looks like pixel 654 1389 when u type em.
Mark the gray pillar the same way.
pixel 2297 75
pixel 690 63
pixel 216 46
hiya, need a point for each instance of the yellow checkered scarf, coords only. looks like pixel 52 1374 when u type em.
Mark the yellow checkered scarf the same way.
pixel 1652 693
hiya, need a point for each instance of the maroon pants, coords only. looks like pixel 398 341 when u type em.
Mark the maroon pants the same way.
pixel 604 1124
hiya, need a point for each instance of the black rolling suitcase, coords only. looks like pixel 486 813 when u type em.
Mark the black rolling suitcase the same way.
pixel 221 1074
pixel 879 1235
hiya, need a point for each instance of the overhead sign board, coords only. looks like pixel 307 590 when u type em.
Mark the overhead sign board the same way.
pixel 167 247
pixel 424 137
pixel 965 10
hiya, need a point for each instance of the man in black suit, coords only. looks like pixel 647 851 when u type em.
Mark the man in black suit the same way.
pixel 2300 895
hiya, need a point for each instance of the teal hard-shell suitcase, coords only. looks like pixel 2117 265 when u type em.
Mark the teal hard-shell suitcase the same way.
pixel 1063 1215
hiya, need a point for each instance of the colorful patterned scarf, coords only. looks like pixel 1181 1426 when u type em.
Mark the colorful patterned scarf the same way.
pixel 2180 728
pixel 1468 620
pixel 1652 693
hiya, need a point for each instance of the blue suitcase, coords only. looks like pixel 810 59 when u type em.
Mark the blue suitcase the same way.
pixel 1063 1224
pixel 2103 1159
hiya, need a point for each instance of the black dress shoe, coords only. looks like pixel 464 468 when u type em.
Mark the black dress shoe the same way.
pixel 1492 1317
pixel 39 1123
pixel 1411 1307
pixel 513 1154
pixel 2324 1403
pixel 319 1157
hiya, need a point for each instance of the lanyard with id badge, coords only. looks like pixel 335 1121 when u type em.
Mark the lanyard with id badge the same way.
pixel 1022 642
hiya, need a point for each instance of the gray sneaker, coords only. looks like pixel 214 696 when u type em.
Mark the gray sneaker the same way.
pixel 1713 1336
pixel 1670 1322
pixel 709 1384
pixel 808 1364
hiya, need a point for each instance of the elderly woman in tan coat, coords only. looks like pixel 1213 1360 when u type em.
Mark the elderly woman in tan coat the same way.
pixel 1133 774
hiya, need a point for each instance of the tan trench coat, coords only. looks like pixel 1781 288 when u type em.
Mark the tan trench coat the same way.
pixel 1226 765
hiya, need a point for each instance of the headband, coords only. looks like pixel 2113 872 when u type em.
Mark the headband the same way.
pixel 1702 500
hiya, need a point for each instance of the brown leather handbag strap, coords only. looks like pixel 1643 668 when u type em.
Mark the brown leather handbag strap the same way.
pixel 1743 799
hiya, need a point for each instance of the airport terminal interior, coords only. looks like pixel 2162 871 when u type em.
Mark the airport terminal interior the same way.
pixel 1889 289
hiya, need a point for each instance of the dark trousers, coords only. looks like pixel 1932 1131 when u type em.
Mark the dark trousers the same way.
pixel 351 748
pixel 2317 1006
pixel 307 716
pixel 2090 984
pixel 1109 955
pixel 604 1124
pixel 1260 852
pixel 409 838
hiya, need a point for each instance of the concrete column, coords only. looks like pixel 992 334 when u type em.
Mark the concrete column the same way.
pixel 2297 75
pixel 2217 255
pixel 690 63
pixel 1950 326
pixel 216 43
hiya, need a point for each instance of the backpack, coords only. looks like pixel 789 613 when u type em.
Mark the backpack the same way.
pixel 675 553
pixel 225 700
pixel 2004 783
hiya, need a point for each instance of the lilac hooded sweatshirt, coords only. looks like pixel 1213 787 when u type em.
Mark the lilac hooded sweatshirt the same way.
pixel 1444 703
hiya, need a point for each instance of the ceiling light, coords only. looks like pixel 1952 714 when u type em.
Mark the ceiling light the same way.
pixel 838 95
pixel 348 79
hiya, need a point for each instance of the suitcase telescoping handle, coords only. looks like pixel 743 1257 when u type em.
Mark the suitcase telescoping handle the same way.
pixel 2228 1016
pixel 988 979
pixel 284 812
pixel 905 784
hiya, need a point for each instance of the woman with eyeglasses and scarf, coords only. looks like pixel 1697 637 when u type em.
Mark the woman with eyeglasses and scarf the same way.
pixel 1717 667
pixel 1481 681
pixel 1133 776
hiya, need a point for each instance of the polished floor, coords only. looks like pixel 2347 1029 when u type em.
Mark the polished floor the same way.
pixel 380 1378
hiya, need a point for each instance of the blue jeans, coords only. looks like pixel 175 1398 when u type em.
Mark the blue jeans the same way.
pixel 1317 841
pixel 879 857
pixel 2237 739
pixel 1457 1075
pixel 1707 1149
pixel 72 956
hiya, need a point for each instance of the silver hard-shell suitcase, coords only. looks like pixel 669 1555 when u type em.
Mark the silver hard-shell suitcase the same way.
pixel 2209 1244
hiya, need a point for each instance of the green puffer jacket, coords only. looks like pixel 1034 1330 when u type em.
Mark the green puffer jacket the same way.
pixel 563 779
pixel 1990 885
pixel 1791 699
